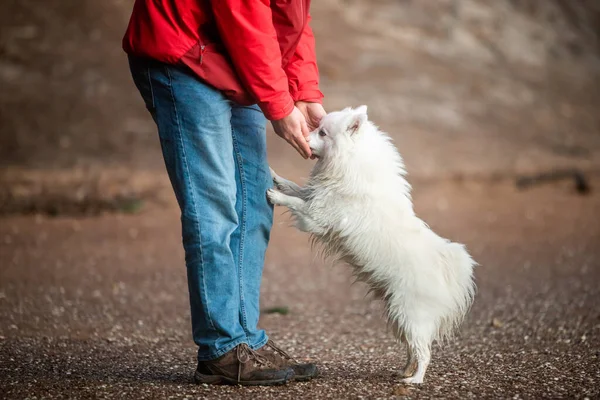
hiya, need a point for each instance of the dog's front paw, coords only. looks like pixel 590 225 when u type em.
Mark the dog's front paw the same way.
pixel 273 174
pixel 277 181
pixel 274 197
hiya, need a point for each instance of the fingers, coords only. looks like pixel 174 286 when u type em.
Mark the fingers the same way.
pixel 298 148
pixel 303 146
pixel 313 124
pixel 299 139
pixel 303 139
pixel 294 130
pixel 304 128
pixel 314 114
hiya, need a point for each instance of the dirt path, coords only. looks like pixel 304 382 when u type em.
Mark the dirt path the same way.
pixel 97 307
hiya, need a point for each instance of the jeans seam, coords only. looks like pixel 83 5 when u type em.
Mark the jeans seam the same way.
pixel 239 164
pixel 203 296
pixel 152 88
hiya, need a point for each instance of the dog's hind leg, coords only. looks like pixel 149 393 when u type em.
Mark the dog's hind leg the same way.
pixel 411 363
pixel 422 353
pixel 285 186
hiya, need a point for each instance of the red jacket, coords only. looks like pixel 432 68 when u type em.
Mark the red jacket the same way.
pixel 255 51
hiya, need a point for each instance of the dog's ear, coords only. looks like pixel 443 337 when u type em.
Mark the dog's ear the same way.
pixel 358 118
pixel 361 109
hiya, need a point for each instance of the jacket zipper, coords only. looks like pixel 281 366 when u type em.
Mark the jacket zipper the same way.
pixel 202 48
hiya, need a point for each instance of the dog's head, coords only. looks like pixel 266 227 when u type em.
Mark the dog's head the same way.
pixel 337 131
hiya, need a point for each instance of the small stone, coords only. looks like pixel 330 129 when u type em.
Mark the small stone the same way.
pixel 402 391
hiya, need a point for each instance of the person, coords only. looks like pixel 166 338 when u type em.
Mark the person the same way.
pixel 211 73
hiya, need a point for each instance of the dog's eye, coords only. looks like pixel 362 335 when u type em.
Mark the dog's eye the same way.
pixel 322 133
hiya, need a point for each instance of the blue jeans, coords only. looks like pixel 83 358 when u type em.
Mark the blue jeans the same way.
pixel 216 156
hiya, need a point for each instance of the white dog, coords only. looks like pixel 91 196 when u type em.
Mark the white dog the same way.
pixel 357 204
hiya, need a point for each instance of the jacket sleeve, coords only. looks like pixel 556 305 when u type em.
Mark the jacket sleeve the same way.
pixel 247 31
pixel 302 71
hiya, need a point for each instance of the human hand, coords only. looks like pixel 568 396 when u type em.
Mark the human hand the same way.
pixel 313 112
pixel 294 130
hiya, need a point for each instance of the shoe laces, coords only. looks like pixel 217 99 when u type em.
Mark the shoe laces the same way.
pixel 245 354
pixel 280 351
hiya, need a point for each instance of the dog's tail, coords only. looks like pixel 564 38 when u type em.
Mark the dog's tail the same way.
pixel 458 269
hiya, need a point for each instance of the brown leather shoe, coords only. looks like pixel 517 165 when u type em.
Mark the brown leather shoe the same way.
pixel 242 366
pixel 278 357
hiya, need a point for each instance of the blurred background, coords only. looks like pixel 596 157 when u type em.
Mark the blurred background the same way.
pixel 495 106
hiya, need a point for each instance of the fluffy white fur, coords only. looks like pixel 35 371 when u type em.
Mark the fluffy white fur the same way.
pixel 357 204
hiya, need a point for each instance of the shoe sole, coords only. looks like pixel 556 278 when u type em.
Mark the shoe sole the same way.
pixel 223 380
pixel 306 378
pixel 303 378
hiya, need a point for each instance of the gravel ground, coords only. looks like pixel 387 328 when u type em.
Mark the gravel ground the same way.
pixel 97 307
